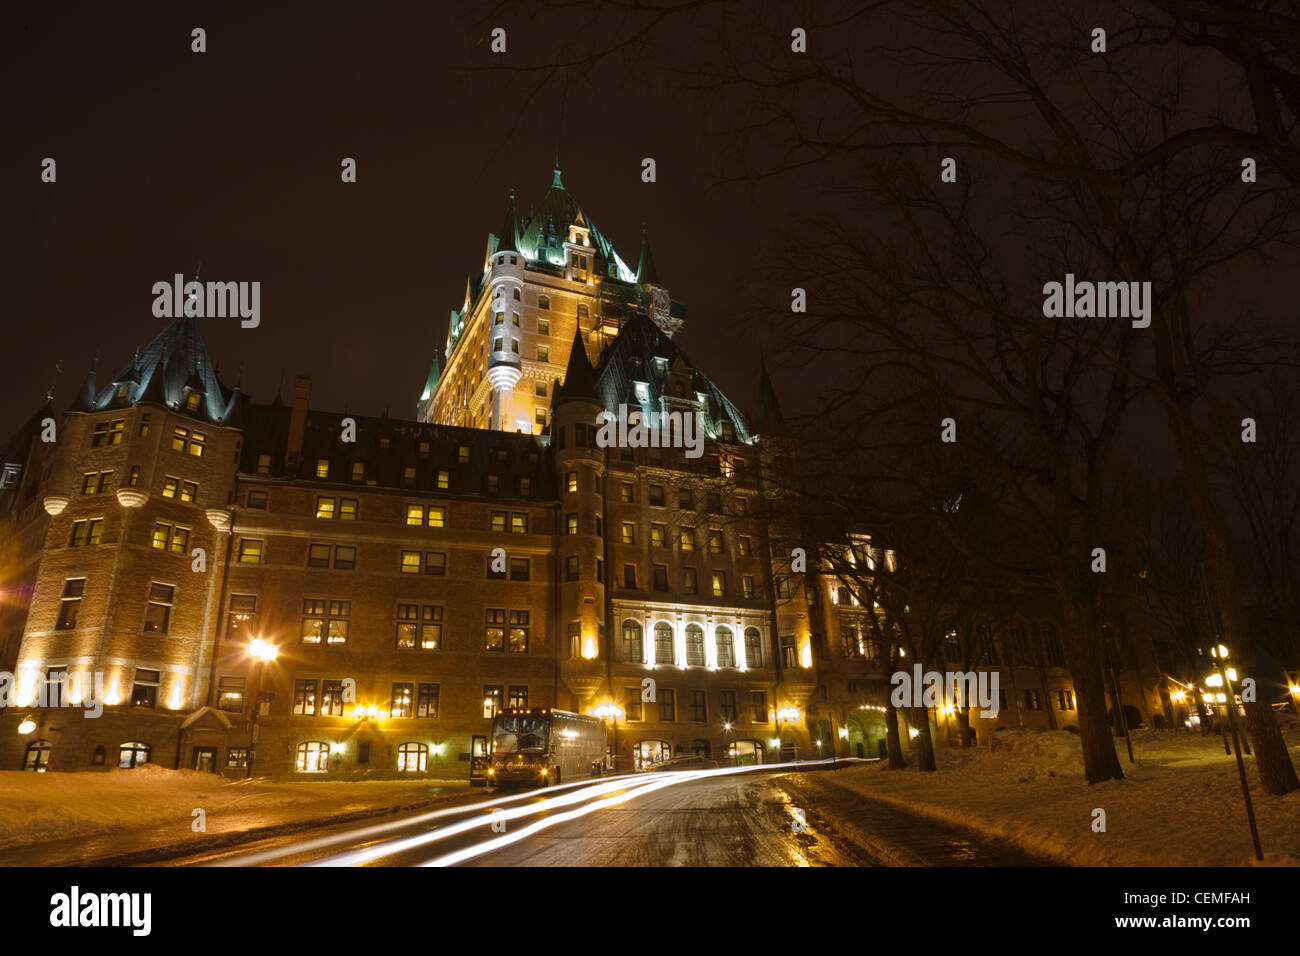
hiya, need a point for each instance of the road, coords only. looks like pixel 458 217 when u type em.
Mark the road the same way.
pixel 768 816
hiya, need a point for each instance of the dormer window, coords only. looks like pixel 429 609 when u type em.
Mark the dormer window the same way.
pixel 192 402
pixel 121 390
pixel 642 392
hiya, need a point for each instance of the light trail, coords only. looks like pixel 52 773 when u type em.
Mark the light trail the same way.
pixel 580 791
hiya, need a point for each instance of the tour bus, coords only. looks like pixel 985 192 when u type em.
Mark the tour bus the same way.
pixel 542 746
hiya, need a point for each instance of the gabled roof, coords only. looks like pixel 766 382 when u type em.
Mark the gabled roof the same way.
pixel 165 370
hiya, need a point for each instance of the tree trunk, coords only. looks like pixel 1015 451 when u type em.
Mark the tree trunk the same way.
pixel 1276 772
pixel 963 725
pixel 920 718
pixel 892 742
pixel 1083 649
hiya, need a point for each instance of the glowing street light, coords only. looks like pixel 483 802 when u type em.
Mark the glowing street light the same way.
pixel 262 650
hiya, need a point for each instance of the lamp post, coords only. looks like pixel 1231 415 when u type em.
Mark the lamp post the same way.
pixel 260 651
pixel 1223 676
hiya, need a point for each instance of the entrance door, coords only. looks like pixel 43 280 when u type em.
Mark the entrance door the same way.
pixel 478 760
pixel 205 759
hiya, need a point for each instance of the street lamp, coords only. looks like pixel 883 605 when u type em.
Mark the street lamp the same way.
pixel 604 711
pixel 1223 676
pixel 260 651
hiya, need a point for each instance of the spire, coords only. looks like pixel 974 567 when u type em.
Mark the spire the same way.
pixel 579 377
pixel 86 397
pixel 770 418
pixel 431 383
pixel 508 241
pixel 645 269
pixel 555 177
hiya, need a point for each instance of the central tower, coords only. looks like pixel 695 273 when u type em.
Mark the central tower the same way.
pixel 549 279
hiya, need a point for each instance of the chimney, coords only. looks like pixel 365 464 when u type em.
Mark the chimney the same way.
pixel 297 424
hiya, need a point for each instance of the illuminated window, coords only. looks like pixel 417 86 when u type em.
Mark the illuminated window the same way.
pixel 304 698
pixel 571 480
pixel 70 603
pixel 632 649
pixel 331 698
pixel 518 632
pixel 263 464
pixel 419 626
pixel 158 611
pixel 719 583
pixel 313 757
pixel 322 467
pixel 497 521
pixel 250 551
pixel 402 699
pixel 625 493
pixel 348 509
pixel 494 634
pixel 437 516
pixel 411 562
pixel 492 694
pixel 133 479
pixel 108 433
pixel 518 523
pixel 658 536
pixel 754 657
pixel 715 542
pixel 462 454
pixel 324 507
pixel 742 546
pixel 571 524
pixel 180 540
pixel 170 486
pixel 161 535
pixel 444 480
pixel 133 753
pixel 192 401
pixel 358 471
pixel 539 389
pixel 629 532
pixel 747 585
pixel 230 694
pixel 426 701
pixel 243 611
pixel 687 538
pixel 412 757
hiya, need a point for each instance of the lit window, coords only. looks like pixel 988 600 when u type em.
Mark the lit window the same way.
pixel 324 507
pixel 688 539
pixel 347 509
pixel 322 467
pixel 742 546
pixel 625 493
pixel 313 757
pixel 161 535
pixel 411 562
pixel 159 610
pixel 629 532
pixel 658 536
pixel 444 480
pixel 719 584
pixel 170 486
pixel 571 480
pixel 70 603
pixel 250 551
pixel 412 757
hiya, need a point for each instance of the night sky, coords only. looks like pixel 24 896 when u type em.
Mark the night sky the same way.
pixel 231 158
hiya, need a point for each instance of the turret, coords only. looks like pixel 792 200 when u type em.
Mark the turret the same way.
pixel 580 473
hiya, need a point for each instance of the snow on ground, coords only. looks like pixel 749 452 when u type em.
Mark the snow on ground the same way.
pixel 48 806
pixel 1181 805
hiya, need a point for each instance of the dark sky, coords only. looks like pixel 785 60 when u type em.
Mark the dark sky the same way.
pixel 167 158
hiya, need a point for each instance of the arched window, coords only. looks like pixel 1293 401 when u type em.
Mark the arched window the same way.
pixel 694 645
pixel 412 756
pixel 133 753
pixel 726 647
pixel 665 653
pixel 647 753
pixel 753 647
pixel 632 649
pixel 313 757
pixel 1052 644
pixel 543 301
pixel 38 756
pixel 988 651
pixel 1020 644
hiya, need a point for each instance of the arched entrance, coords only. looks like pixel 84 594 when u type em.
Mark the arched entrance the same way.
pixel 647 753
pixel 744 753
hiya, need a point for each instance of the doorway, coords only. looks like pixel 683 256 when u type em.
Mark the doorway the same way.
pixel 205 759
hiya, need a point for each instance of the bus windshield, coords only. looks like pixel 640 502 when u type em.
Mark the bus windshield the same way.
pixel 520 733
